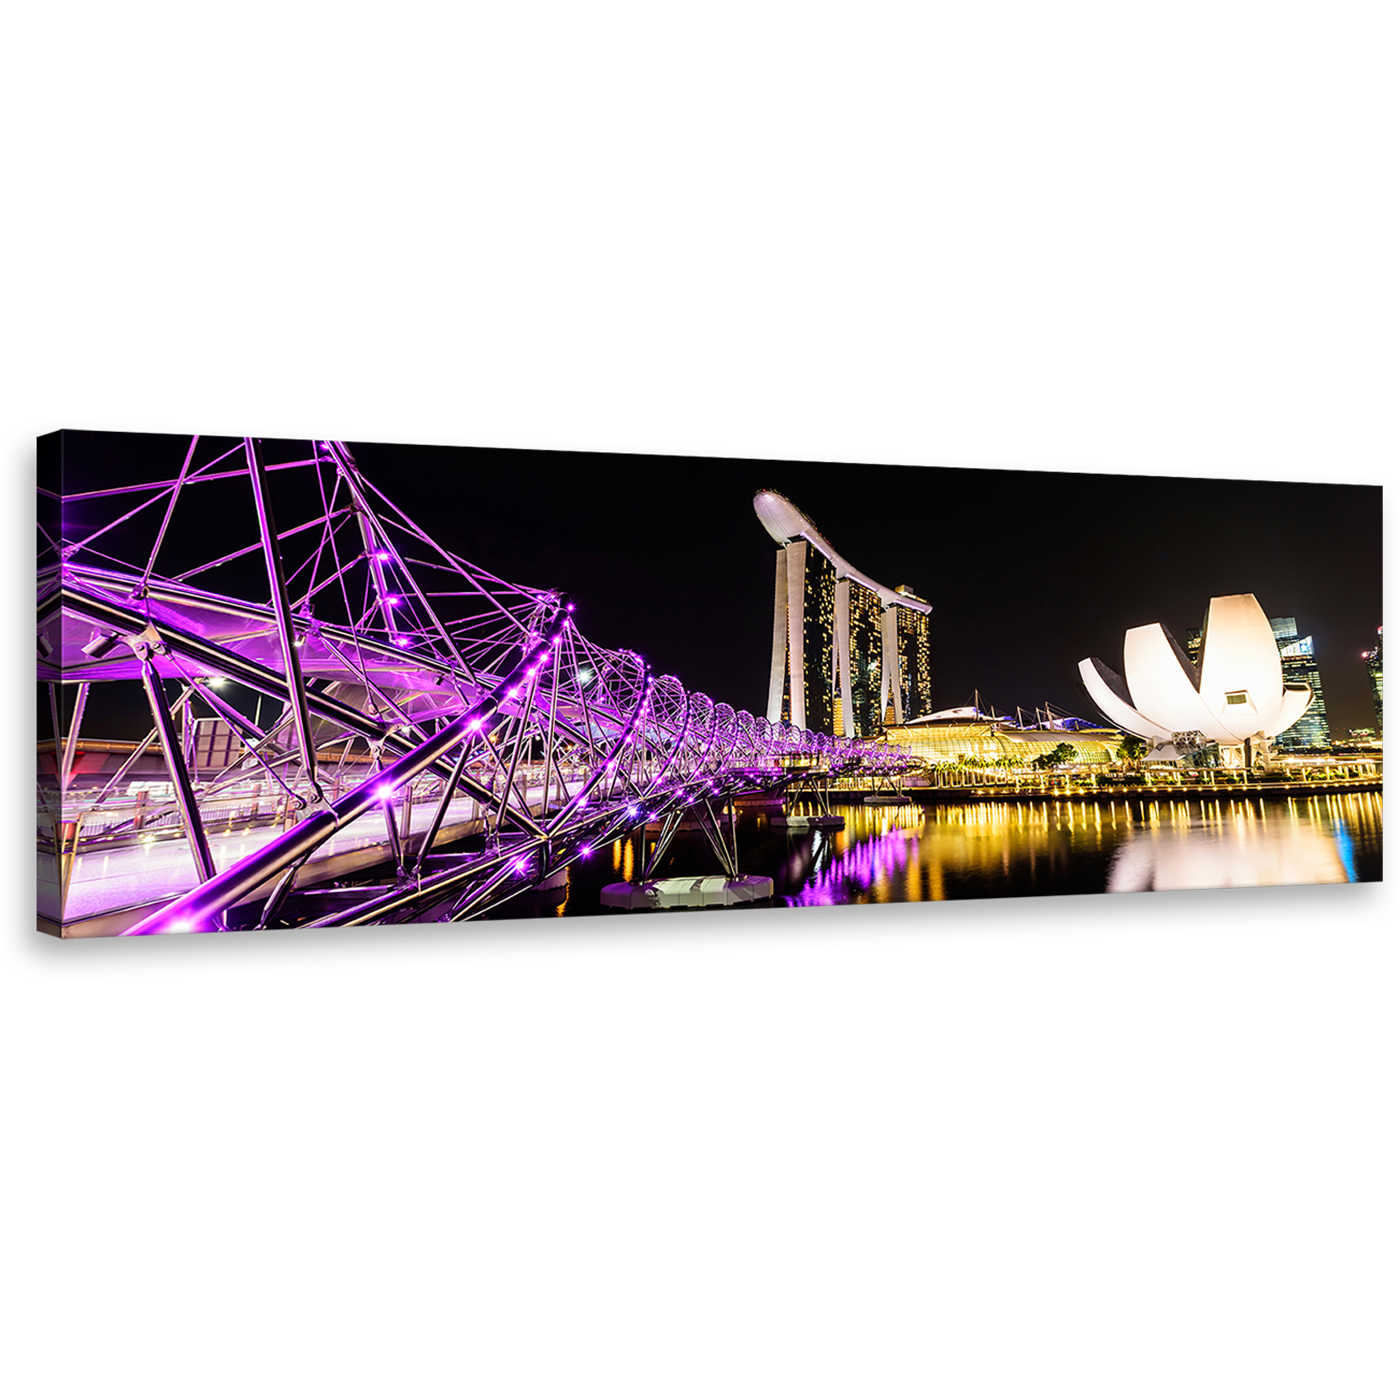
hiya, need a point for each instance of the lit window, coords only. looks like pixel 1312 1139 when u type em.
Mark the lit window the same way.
pixel 1237 697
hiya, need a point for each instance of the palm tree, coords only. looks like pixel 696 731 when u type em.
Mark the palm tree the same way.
pixel 1131 751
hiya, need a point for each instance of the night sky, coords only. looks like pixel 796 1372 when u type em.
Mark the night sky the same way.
pixel 1027 571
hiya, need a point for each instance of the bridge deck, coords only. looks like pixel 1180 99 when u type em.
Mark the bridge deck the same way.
pixel 106 884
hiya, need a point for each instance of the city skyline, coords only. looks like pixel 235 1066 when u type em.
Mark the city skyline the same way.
pixel 1026 571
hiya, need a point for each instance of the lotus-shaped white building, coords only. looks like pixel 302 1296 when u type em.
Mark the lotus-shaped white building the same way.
pixel 1237 697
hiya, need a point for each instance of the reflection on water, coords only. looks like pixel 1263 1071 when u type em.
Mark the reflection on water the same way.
pixel 996 849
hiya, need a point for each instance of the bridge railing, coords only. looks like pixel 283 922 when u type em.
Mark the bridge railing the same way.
pixel 448 683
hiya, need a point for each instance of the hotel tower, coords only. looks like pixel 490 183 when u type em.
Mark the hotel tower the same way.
pixel 849 654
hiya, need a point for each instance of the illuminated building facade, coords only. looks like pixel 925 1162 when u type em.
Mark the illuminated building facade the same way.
pixel 861 608
pixel 915 683
pixel 1237 697
pixel 849 654
pixel 967 735
pixel 1372 659
pixel 1300 667
pixel 805 596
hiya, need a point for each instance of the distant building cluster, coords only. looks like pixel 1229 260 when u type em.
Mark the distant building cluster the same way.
pixel 1372 659
pixel 1300 666
pixel 850 656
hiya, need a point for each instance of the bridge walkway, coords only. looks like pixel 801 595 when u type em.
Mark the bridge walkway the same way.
pixel 115 888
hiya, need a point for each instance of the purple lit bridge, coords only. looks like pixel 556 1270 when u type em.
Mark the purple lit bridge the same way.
pixel 407 700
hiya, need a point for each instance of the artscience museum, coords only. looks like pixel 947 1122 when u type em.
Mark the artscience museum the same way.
pixel 1237 698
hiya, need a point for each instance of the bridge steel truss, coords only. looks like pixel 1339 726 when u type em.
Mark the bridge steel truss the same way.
pixel 371 639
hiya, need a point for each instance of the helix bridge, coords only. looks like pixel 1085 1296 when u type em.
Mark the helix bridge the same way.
pixel 408 700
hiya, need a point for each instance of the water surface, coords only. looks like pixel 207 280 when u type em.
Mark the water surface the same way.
pixel 996 850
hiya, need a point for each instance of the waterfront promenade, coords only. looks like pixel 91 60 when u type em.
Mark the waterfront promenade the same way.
pixel 1150 791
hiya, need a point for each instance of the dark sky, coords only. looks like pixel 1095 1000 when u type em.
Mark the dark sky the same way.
pixel 1027 571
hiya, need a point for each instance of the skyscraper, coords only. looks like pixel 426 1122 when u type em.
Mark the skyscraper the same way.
pixel 1372 659
pixel 802 628
pixel 915 683
pixel 849 654
pixel 1299 664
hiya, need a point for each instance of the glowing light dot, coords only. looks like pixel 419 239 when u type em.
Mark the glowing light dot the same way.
pixel 401 641
pixel 585 850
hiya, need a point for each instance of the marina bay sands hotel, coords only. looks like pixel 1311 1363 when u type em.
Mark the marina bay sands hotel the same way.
pixel 849 654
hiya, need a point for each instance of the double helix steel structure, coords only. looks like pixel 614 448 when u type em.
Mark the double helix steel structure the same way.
pixel 401 678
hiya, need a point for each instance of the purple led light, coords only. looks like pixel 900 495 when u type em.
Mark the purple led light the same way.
pixel 392 599
pixel 402 641
pixel 384 792
pixel 522 863
pixel 585 851
pixel 383 556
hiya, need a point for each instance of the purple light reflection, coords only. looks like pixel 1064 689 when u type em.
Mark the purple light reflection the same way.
pixel 860 867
